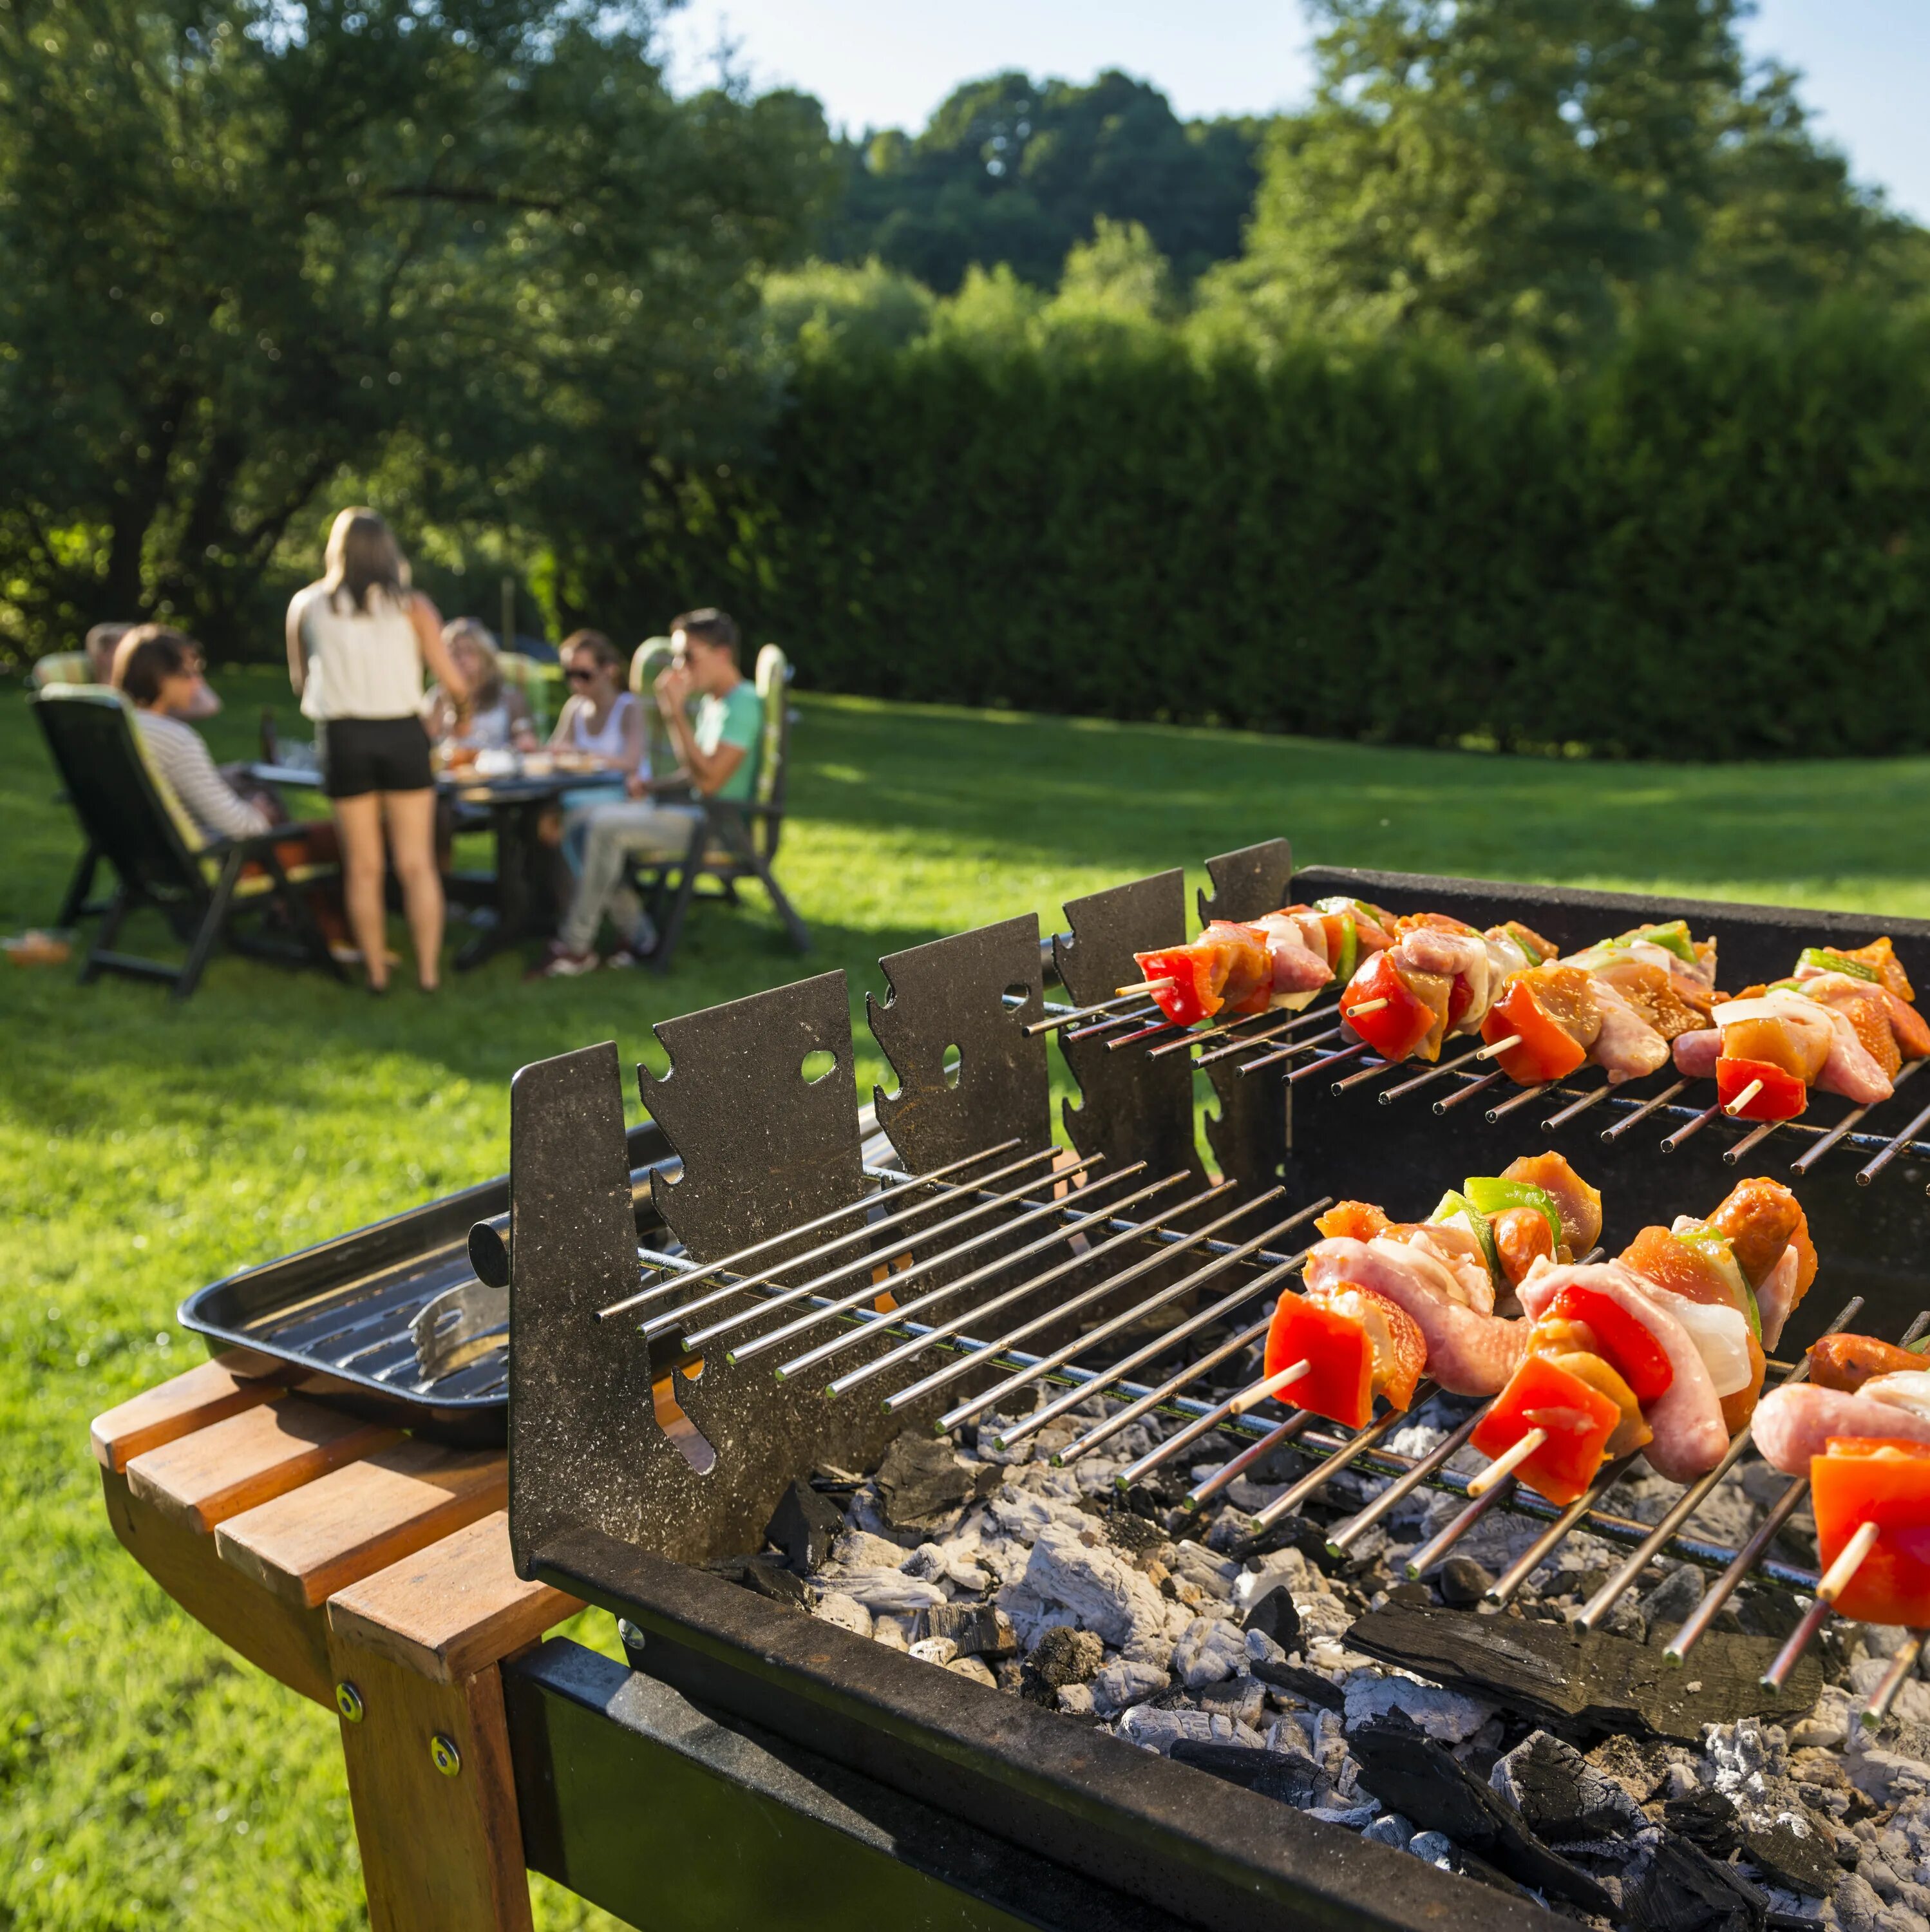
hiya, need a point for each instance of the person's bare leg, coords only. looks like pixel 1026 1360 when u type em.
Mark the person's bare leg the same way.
pixel 411 851
pixel 358 826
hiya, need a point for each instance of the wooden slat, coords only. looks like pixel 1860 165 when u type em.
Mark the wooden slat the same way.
pixel 201 1480
pixel 306 1545
pixel 290 1644
pixel 203 1395
pixel 452 1609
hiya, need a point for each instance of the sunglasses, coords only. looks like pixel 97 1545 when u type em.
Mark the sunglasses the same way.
pixel 581 677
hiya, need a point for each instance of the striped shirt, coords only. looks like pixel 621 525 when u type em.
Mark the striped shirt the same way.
pixel 181 758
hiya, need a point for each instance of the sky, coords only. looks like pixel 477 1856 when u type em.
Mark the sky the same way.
pixel 888 63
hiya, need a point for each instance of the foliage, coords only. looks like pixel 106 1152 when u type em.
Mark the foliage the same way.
pixel 1014 171
pixel 1529 171
pixel 1716 538
pixel 469 252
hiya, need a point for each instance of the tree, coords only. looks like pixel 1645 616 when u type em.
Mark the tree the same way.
pixel 1014 171
pixel 1526 171
pixel 472 245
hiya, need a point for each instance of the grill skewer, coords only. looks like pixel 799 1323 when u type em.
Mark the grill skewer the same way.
pixel 1032 1028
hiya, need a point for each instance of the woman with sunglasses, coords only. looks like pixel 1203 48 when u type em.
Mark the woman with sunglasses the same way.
pixel 600 720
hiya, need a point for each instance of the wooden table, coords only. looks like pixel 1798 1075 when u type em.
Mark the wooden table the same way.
pixel 371 1573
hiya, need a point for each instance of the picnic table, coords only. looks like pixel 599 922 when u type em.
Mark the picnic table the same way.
pixel 515 802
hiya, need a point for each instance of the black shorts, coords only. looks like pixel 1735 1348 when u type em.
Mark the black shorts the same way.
pixel 360 755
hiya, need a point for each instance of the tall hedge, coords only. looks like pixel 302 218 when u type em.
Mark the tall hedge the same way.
pixel 1716 545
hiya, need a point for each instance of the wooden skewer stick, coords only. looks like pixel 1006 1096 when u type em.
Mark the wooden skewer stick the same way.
pixel 1737 1106
pixel 1510 1460
pixel 1142 986
pixel 1364 1006
pixel 1847 1563
pixel 1252 1398
pixel 1499 1046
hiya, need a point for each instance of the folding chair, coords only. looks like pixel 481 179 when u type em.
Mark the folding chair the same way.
pixel 736 839
pixel 131 818
pixel 78 902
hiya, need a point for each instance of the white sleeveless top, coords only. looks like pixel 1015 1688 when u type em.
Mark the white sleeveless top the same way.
pixel 361 664
pixel 607 741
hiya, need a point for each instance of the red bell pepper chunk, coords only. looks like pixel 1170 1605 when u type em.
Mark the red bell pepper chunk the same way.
pixel 1191 996
pixel 1620 1339
pixel 1339 1382
pixel 1578 1421
pixel 1886 1482
pixel 1393 1030
pixel 1547 1051
pixel 1781 1096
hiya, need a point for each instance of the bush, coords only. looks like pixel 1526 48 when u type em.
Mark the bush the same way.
pixel 1711 546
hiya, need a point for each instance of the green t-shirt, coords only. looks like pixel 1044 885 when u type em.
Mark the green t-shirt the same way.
pixel 736 718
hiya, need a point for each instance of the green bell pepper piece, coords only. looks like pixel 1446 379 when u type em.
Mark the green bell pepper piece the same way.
pixel 1452 1204
pixel 1825 960
pixel 1493 1196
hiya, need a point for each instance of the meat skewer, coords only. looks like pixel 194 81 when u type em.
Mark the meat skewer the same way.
pixel 1844 1021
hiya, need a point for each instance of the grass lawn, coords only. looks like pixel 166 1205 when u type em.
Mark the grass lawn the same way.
pixel 147 1781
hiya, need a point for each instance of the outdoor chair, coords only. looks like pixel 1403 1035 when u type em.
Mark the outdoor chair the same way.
pixel 652 657
pixel 130 818
pixel 78 902
pixel 62 667
pixel 736 839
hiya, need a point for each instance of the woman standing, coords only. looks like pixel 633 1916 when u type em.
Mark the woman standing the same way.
pixel 357 642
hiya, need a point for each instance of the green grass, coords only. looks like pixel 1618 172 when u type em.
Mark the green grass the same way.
pixel 146 1779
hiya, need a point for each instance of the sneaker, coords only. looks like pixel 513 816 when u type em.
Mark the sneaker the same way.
pixel 559 962
pixel 636 950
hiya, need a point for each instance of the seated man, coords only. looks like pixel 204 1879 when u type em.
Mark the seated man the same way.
pixel 717 753
pixel 104 647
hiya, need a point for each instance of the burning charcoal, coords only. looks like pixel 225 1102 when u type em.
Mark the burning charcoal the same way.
pixel 835 1607
pixel 1588 1680
pixel 976 1669
pixel 1240 1698
pixel 921 1485
pixel 1062 1656
pixel 770 1578
pixel 1766 1609
pixel 804 1525
pixel 935 1650
pixel 1133 1534
pixel 1353 1816
pixel 1673 1886
pixel 1670 1601
pixel 1154 1729
pixel 859 1550
pixel 977 1629
pixel 1417 1594
pixel 1100 1589
pixel 1559 1794
pixel 1446 1715
pixel 1435 1848
pixel 1122 1685
pixel 891 1632
pixel 1462 1582
pixel 1274 1616
pixel 1409 1773
pixel 1212 1648
pixel 891 1590
pixel 1076 1700
pixel 1286 1776
pixel 1390 1829
pixel 1308 1685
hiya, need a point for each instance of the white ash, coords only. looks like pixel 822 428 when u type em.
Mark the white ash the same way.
pixel 1164 1601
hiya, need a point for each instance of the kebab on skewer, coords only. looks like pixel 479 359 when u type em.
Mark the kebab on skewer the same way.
pixel 1618 1003
pixel 1859 1429
pixel 1844 1021
pixel 1662 1349
pixel 1385 1299
pixel 1279 962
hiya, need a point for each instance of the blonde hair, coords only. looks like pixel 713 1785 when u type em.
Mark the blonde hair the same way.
pixel 470 631
pixel 363 555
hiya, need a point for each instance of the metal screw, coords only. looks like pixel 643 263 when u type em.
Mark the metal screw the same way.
pixel 348 1701
pixel 444 1755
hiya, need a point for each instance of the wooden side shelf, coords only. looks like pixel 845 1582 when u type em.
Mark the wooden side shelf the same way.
pixel 371 1573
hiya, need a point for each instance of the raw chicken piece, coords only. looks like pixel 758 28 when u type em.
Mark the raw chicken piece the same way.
pixel 1578 1205
pixel 1627 1045
pixel 1696 1054
pixel 1793 1423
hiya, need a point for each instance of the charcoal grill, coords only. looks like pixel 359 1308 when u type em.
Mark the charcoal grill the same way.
pixel 809 1303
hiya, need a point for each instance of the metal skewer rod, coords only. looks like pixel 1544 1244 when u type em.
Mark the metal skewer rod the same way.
pixel 1501 1591
pixel 1835 1580
pixel 846 1304
pixel 1125 1418
pixel 955 1325
pixel 1184 1439
pixel 1147 1032
pixel 1898 1142
pixel 1281 1433
pixel 1113 1324
pixel 1032 1028
pixel 1432 1551
pixel 1277 1030
pixel 1519 1099
pixel 1689 1128
pixel 1393 1093
pixel 1806 1160
pixel 867 1265
pixel 1312 1066
pixel 673 1317
pixel 1643 1112
pixel 1696 1624
pixel 1312 1041
pixel 1096 1028
pixel 844 1240
pixel 1901 1663
pixel 1731 1156
pixel 1589 1100
pixel 1324 1471
pixel 1692 1498
pixel 1370 1072
pixel 1343 1536
pixel 1467 1092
